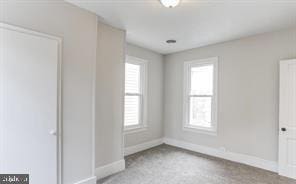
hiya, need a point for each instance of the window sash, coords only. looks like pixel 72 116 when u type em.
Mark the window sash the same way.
pixel 200 95
pixel 191 67
pixel 133 77
pixel 187 96
pixel 140 107
pixel 141 94
pixel 189 110
pixel 133 94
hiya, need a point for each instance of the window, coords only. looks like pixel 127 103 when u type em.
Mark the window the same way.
pixel 135 94
pixel 200 95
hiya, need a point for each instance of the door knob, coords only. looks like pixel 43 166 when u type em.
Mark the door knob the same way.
pixel 283 129
pixel 53 132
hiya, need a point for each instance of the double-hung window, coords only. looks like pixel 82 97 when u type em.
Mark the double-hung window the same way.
pixel 135 94
pixel 200 95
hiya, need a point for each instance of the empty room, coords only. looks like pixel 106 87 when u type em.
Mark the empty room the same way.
pixel 147 91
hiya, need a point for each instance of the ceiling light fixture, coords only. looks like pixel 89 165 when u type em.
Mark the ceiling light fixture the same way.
pixel 170 3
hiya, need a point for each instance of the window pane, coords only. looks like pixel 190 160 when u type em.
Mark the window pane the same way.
pixel 131 110
pixel 132 78
pixel 200 111
pixel 202 80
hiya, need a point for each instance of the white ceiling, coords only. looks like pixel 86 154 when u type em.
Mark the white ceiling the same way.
pixel 194 23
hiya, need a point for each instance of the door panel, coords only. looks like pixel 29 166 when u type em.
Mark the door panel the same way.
pixel 291 114
pixel 287 124
pixel 29 105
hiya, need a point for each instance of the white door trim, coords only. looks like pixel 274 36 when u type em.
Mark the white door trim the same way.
pixel 59 88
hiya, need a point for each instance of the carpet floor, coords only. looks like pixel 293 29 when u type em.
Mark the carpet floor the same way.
pixel 169 165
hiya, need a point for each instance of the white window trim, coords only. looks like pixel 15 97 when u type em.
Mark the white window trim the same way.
pixel 186 91
pixel 142 126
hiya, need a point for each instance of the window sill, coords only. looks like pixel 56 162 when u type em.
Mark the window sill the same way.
pixel 200 130
pixel 132 130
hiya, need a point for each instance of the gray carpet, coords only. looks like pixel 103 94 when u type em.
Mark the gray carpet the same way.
pixel 169 165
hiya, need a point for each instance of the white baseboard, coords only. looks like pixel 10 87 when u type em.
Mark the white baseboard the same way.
pixel 91 180
pixel 118 166
pixel 235 157
pixel 141 147
pixel 110 169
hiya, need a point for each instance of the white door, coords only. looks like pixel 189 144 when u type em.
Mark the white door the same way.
pixel 29 104
pixel 287 134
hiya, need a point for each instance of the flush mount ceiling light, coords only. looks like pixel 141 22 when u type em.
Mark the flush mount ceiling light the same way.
pixel 170 3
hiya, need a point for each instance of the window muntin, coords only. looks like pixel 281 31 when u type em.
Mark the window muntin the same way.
pixel 200 100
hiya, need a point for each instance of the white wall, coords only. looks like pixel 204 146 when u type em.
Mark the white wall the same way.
pixel 78 30
pixel 109 95
pixel 248 93
pixel 154 97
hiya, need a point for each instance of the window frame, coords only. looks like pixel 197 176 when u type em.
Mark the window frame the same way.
pixel 143 96
pixel 186 96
